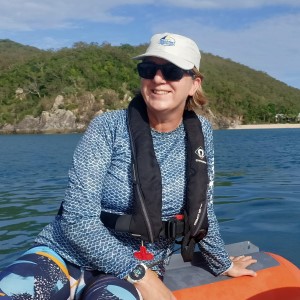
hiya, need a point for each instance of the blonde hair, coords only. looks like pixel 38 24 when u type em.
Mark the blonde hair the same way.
pixel 198 100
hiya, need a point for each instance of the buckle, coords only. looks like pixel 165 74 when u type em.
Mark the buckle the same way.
pixel 174 227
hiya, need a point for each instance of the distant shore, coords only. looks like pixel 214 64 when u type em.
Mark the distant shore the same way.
pixel 266 126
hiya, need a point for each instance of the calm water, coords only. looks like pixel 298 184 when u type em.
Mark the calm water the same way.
pixel 257 194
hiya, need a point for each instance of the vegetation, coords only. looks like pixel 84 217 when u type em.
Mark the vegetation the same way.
pixel 12 53
pixel 236 90
pixel 30 80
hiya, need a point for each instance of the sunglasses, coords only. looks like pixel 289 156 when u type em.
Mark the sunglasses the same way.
pixel 170 72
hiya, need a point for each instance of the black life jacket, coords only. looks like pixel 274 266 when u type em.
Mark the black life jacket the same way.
pixel 146 220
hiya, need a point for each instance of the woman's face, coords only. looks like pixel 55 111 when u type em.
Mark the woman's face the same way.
pixel 162 96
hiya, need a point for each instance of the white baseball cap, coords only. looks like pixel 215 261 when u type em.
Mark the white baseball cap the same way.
pixel 177 49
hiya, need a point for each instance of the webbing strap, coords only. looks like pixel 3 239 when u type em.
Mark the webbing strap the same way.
pixel 172 228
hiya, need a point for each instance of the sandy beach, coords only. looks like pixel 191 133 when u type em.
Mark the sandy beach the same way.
pixel 265 126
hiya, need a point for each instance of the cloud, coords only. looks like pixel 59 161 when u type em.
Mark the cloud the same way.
pixel 31 15
pixel 50 14
pixel 232 4
pixel 271 44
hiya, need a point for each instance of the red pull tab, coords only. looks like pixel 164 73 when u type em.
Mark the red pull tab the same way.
pixel 179 217
pixel 143 254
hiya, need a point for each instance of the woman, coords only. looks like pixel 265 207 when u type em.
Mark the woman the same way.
pixel 124 158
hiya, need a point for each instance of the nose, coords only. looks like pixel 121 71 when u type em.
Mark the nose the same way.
pixel 159 76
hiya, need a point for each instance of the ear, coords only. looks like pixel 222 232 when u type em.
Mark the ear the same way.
pixel 196 83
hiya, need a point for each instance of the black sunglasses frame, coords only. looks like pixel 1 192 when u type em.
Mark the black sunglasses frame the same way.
pixel 170 72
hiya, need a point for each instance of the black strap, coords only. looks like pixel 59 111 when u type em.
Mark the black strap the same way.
pixel 116 222
pixel 197 176
pixel 188 241
pixel 172 228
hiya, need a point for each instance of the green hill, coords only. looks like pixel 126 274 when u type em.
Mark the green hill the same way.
pixel 236 90
pixel 12 53
pixel 31 79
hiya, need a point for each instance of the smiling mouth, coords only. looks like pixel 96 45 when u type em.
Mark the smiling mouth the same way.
pixel 160 92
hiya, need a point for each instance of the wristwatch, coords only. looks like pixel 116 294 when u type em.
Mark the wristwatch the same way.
pixel 137 274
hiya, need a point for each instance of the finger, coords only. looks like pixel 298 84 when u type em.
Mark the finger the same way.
pixel 249 262
pixel 247 258
pixel 236 258
pixel 241 257
pixel 244 258
pixel 250 273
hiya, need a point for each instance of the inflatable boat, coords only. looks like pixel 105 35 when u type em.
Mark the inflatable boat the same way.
pixel 276 279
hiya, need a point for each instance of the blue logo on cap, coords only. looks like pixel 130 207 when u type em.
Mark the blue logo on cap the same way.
pixel 167 41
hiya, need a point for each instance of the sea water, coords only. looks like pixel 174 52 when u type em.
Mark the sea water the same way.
pixel 257 188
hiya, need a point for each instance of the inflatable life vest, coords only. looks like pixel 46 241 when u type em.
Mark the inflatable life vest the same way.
pixel 146 220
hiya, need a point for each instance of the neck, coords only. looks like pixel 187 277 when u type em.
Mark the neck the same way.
pixel 163 123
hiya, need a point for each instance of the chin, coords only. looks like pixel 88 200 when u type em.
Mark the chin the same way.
pixel 155 105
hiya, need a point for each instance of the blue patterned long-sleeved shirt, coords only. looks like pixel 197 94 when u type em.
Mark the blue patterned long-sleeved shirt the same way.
pixel 101 179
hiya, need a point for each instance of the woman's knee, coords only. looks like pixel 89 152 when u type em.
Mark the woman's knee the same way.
pixel 39 271
pixel 109 287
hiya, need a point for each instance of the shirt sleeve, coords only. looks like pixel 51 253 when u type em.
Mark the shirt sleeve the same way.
pixel 92 243
pixel 212 246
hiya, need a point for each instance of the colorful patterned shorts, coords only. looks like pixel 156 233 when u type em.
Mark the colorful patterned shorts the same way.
pixel 41 274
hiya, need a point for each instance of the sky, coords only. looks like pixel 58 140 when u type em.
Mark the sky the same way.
pixel 261 34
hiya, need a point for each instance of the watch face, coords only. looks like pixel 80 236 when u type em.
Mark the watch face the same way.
pixel 138 273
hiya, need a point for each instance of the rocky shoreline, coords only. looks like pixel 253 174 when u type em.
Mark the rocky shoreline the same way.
pixel 59 120
pixel 56 120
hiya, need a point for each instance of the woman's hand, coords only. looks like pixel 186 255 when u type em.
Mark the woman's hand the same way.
pixel 152 288
pixel 239 267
